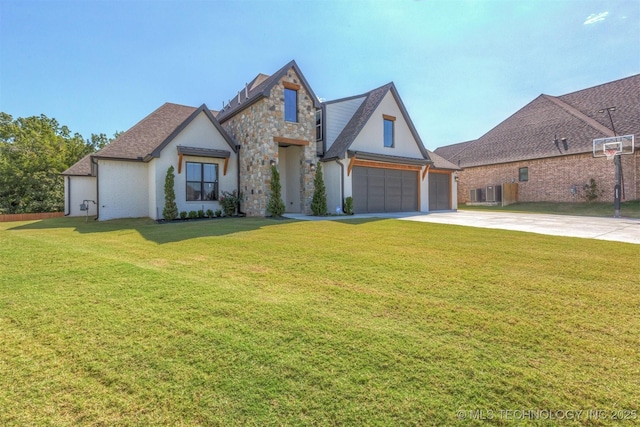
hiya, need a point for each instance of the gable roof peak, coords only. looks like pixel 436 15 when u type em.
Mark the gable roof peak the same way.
pixel 260 87
pixel 372 100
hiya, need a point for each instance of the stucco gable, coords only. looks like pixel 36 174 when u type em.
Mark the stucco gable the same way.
pixel 202 110
pixel 363 115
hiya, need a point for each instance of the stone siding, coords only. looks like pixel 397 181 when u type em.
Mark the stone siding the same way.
pixel 556 179
pixel 254 129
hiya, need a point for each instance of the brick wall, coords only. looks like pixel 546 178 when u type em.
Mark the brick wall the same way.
pixel 555 179
pixel 255 127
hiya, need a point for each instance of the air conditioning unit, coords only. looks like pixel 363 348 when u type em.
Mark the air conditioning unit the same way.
pixel 494 193
pixel 473 195
pixel 480 195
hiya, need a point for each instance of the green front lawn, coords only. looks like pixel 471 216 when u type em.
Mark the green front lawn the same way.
pixel 264 322
pixel 628 209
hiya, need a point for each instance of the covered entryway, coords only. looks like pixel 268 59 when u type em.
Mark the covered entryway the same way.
pixel 289 168
pixel 384 190
pixel 439 191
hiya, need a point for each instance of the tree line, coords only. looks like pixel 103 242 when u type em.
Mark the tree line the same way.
pixel 33 152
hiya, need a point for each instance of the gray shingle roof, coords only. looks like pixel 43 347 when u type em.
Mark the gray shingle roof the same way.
pixel 531 132
pixel 148 133
pixel 440 162
pixel 81 168
pixel 362 116
pixel 260 87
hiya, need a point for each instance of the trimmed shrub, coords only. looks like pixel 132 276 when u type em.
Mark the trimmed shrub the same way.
pixel 209 213
pixel 348 205
pixel 170 210
pixel 193 214
pixel 276 205
pixel 230 202
pixel 183 215
pixel 319 201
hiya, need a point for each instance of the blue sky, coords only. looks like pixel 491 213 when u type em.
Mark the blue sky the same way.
pixel 461 66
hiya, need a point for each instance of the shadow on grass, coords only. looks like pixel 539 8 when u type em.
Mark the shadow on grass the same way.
pixel 157 232
pixel 174 231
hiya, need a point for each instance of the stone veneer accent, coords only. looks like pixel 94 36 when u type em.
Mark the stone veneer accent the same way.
pixel 552 179
pixel 254 129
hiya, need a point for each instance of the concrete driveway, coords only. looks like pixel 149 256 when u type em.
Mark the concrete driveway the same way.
pixel 615 229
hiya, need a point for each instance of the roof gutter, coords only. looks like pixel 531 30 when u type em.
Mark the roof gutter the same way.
pixel 93 161
pixel 389 159
pixel 69 196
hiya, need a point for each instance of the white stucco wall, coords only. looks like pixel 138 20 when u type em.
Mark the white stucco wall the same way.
pixel 424 191
pixel 454 191
pixel 154 210
pixel 338 115
pixel 123 189
pixel 199 133
pixel 80 188
pixel 331 173
pixel 371 138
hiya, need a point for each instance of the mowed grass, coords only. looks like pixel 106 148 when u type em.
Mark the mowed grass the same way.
pixel 262 322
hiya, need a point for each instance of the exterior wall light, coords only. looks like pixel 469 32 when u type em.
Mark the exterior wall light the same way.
pixel 272 162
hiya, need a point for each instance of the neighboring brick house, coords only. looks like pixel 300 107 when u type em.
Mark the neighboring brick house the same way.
pixel 371 152
pixel 546 147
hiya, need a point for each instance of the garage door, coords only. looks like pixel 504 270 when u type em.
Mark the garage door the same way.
pixel 384 190
pixel 439 191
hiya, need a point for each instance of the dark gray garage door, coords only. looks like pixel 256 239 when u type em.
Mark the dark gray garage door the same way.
pixel 384 190
pixel 439 191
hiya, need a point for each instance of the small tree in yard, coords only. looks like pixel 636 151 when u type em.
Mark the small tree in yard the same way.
pixel 591 191
pixel 319 201
pixel 275 206
pixel 170 210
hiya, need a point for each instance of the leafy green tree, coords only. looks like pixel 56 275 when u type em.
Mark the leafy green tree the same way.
pixel 319 201
pixel 275 206
pixel 170 210
pixel 33 152
pixel 99 141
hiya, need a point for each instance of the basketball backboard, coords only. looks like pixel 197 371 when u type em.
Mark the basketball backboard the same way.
pixel 609 147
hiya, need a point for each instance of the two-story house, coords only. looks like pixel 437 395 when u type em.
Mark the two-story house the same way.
pixel 368 146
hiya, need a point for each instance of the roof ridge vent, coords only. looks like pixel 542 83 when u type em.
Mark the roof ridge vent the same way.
pixel 246 90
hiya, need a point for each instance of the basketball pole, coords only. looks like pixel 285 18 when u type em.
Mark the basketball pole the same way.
pixel 616 195
pixel 618 163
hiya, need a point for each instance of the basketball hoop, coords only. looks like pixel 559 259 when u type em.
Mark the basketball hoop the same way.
pixel 610 153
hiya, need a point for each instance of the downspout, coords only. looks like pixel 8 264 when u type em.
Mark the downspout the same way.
pixel 341 183
pixel 93 161
pixel 68 198
pixel 238 180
